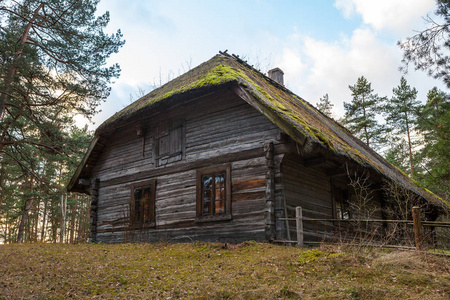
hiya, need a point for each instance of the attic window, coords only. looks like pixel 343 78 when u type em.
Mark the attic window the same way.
pixel 142 204
pixel 169 144
pixel 214 194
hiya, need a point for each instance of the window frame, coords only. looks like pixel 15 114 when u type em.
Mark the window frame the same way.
pixel 201 217
pixel 136 221
pixel 341 198
pixel 166 130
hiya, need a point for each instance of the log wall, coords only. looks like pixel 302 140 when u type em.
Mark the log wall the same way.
pixel 219 129
pixel 311 188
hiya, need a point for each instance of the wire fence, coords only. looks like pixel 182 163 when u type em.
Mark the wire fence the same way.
pixel 415 232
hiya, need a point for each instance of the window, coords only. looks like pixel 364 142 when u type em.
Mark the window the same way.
pixel 341 204
pixel 169 143
pixel 143 204
pixel 214 194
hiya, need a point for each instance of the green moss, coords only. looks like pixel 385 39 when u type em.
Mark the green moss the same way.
pixel 268 97
pixel 313 255
pixel 358 156
pixel 310 130
pixel 443 251
pixel 420 186
pixel 323 138
pixel 309 256
pixel 215 76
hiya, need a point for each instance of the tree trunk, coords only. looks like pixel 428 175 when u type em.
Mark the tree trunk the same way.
pixel 81 220
pixel 365 127
pixel 43 221
pixel 26 208
pixel 409 145
pixel 8 229
pixel 36 219
pixel 7 234
pixel 63 217
pixel 72 220
pixel 87 218
pixel 54 229
pixel 12 72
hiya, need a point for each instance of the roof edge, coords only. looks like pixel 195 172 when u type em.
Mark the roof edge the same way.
pixel 75 177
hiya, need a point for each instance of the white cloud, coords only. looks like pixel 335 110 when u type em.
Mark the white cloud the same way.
pixel 331 67
pixel 291 63
pixel 346 6
pixel 397 15
pixel 313 67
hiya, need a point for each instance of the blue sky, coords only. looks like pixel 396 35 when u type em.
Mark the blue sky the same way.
pixel 322 46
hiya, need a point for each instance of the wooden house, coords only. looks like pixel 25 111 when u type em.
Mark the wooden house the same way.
pixel 224 153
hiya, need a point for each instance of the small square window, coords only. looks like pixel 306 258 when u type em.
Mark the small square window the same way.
pixel 214 194
pixel 142 204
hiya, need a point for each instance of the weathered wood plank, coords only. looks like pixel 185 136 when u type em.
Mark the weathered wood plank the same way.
pixel 219 129
pixel 248 185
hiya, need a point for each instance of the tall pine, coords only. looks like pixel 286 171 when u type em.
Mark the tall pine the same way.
pixel 361 112
pixel 52 67
pixel 401 118
pixel 434 124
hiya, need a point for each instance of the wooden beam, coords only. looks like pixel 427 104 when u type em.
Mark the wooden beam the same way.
pixel 80 168
pixel 269 210
pixel 93 152
pixel 299 225
pixel 95 184
pixel 285 148
pixel 417 227
pixel 187 166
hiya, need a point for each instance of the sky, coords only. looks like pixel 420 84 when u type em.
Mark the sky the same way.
pixel 323 46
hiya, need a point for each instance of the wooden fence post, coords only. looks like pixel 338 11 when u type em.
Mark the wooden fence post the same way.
pixel 299 223
pixel 417 227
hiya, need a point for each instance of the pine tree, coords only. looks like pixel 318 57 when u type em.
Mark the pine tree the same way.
pixel 325 106
pixel 401 117
pixel 397 154
pixel 360 114
pixel 53 56
pixel 30 201
pixel 434 124
pixel 428 49
pixel 53 66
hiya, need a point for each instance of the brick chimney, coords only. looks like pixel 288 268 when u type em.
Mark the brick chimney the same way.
pixel 277 75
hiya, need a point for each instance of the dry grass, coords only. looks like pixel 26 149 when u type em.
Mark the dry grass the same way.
pixel 211 271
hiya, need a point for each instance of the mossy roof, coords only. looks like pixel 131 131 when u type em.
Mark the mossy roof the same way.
pixel 291 113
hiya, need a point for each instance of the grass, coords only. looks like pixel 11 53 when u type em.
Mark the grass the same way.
pixel 212 271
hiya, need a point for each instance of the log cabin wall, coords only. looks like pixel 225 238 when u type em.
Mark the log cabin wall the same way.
pixel 312 188
pixel 309 188
pixel 93 211
pixel 365 195
pixel 219 130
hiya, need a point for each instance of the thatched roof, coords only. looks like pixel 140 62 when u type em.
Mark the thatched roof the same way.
pixel 296 117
